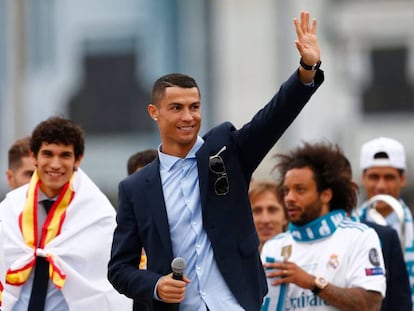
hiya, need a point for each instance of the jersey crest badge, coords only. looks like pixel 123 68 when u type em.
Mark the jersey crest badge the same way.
pixel 286 252
pixel 333 262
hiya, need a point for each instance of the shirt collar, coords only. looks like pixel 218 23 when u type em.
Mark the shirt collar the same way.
pixel 41 196
pixel 167 161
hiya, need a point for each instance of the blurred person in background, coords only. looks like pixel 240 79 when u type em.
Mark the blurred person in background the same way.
pixel 21 163
pixel 383 172
pixel 398 293
pixel 269 215
pixel 139 159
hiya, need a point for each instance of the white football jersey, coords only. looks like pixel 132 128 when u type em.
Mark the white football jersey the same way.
pixel 350 257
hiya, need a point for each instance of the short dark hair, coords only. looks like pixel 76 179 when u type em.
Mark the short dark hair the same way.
pixel 170 80
pixel 17 151
pixel 331 170
pixel 58 130
pixel 140 159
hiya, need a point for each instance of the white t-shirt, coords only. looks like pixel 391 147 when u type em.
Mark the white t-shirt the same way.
pixel 350 257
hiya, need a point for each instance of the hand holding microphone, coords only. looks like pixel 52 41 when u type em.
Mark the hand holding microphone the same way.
pixel 171 287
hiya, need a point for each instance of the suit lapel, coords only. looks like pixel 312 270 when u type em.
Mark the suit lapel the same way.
pixel 202 156
pixel 158 208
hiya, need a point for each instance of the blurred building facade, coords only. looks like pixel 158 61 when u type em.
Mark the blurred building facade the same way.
pixel 95 61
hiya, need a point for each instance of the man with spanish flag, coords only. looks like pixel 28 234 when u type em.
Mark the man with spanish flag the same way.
pixel 57 231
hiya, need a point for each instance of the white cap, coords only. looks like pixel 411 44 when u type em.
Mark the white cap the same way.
pixel 393 151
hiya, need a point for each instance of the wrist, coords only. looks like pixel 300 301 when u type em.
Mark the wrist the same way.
pixel 306 76
pixel 312 67
pixel 319 283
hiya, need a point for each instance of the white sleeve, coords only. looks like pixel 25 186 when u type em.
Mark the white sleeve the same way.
pixel 366 268
pixel 2 264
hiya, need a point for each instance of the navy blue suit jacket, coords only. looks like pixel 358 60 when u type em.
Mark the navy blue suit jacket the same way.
pixel 142 219
pixel 398 294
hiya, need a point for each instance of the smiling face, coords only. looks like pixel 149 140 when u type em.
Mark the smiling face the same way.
pixel 55 166
pixel 178 116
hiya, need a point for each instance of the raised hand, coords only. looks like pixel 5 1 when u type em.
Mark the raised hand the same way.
pixel 307 45
pixel 307 41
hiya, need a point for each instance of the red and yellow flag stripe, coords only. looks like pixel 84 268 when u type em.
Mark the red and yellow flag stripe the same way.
pixel 50 229
pixel 1 293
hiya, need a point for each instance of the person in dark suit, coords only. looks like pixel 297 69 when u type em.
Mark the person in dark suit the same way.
pixel 398 294
pixel 192 202
pixel 136 162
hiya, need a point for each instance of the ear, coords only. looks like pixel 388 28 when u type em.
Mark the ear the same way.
pixel 78 162
pixel 9 177
pixel 152 111
pixel 326 196
pixel 403 180
pixel 34 157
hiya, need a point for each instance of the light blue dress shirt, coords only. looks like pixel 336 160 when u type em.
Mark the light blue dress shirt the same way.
pixel 189 240
pixel 54 299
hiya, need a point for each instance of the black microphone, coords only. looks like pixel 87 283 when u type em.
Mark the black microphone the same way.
pixel 178 266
